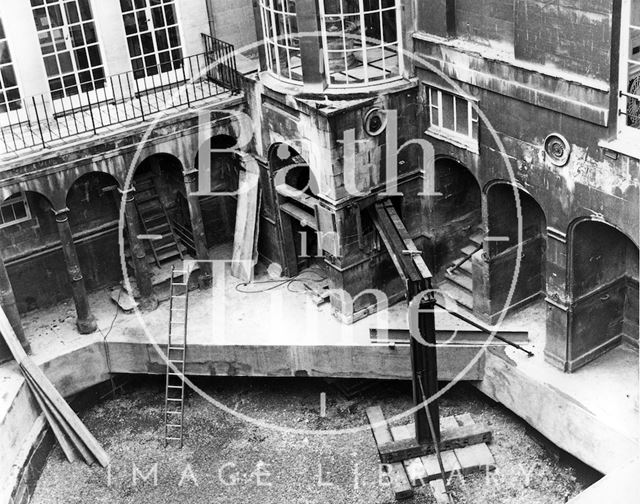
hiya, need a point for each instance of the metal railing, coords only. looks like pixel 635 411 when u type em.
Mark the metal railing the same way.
pixel 452 269
pixel 222 64
pixel 39 120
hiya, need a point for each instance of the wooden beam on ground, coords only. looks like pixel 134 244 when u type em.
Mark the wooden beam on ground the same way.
pixel 439 491
pixel 414 468
pixel 400 484
pixel 64 442
pixel 70 435
pixel 450 439
pixel 473 458
pixel 53 400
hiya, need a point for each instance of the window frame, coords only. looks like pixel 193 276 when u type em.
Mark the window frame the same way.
pixel 436 129
pixel 66 28
pixel 11 200
pixel 273 43
pixel 623 129
pixel 364 49
pixel 10 112
pixel 176 74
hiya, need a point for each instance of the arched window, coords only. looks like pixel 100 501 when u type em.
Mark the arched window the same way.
pixel 282 42
pixel 361 40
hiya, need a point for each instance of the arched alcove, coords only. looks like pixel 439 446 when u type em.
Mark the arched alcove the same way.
pixel 603 283
pixel 511 211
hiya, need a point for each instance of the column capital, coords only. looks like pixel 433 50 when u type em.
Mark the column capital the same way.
pixel 190 175
pixel 61 214
pixel 128 194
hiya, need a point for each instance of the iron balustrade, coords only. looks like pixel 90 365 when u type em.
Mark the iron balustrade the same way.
pixel 222 62
pixel 39 120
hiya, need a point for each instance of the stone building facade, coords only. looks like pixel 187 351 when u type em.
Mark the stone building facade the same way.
pixel 509 131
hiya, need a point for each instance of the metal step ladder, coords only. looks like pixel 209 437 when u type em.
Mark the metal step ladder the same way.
pixel 176 356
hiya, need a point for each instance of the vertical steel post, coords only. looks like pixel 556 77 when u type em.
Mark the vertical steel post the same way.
pixel 424 366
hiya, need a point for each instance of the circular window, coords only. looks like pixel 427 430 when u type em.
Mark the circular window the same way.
pixel 558 149
pixel 375 121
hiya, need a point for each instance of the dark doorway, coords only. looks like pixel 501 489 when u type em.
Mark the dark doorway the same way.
pixel 506 214
pixel 295 189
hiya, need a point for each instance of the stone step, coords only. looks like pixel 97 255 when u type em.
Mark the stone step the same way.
pixel 465 269
pixel 477 237
pixel 462 296
pixel 461 279
pixel 469 249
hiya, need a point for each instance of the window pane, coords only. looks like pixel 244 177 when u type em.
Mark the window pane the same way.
pixel 51 66
pixel 344 24
pixel 70 47
pixel 462 116
pixel 20 210
pixel 447 110
pixel 389 26
pixel 8 76
pixel 5 57
pixel 64 60
pixel 72 12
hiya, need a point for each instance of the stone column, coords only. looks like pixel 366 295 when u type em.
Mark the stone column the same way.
pixel 8 302
pixel 559 308
pixel 148 300
pixel 85 322
pixel 197 225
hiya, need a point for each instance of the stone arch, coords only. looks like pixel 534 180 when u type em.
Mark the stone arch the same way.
pixel 602 282
pixel 162 207
pixel 40 281
pixel 93 201
pixel 456 213
pixel 218 191
pixel 512 212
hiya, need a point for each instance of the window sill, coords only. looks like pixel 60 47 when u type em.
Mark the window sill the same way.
pixel 627 143
pixel 461 141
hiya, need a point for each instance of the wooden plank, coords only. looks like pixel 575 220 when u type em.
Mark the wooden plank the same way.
pixel 407 240
pixel 49 391
pixel 416 471
pixel 75 440
pixel 400 484
pixel 448 423
pixel 464 419
pixel 66 446
pixel 438 491
pixel 302 216
pixel 244 238
pixel 65 411
pixel 450 439
pixel 475 458
pixel 408 266
pixel 431 466
pixel 388 245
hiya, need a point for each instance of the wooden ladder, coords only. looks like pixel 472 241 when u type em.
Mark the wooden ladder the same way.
pixel 176 356
pixel 155 221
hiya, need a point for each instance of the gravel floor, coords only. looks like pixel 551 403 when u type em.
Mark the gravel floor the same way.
pixel 227 460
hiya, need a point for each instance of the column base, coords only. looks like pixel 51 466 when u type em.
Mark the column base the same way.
pixel 147 304
pixel 205 281
pixel 87 325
